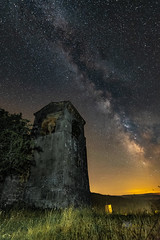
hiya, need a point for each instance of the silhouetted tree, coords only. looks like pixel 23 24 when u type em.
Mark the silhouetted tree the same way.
pixel 15 145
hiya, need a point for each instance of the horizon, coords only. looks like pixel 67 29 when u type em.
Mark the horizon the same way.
pixel 129 194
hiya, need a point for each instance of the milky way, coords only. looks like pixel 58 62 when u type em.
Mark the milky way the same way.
pixel 104 57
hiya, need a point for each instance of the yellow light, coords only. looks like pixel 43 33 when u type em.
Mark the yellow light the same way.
pixel 157 211
pixel 108 208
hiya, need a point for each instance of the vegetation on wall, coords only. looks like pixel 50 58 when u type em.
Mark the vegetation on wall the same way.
pixel 16 146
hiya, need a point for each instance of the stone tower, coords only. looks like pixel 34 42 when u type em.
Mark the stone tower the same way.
pixel 60 175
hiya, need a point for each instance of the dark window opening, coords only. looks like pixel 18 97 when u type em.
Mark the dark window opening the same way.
pixel 76 131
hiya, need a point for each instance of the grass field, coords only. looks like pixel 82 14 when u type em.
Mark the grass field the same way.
pixel 81 224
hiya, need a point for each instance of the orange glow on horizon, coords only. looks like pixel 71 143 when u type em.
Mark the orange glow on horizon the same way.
pixel 128 189
pixel 131 192
pixel 142 191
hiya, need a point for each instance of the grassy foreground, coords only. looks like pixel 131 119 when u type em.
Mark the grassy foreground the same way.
pixel 81 224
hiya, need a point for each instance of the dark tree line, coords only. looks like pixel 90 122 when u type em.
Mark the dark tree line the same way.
pixel 16 146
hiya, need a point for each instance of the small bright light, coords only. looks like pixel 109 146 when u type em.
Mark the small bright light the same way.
pixel 108 208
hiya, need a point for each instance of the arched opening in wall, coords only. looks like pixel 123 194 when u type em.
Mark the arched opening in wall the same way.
pixel 48 125
pixel 76 131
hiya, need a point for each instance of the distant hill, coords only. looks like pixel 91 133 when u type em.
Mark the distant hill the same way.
pixel 127 203
pixel 146 196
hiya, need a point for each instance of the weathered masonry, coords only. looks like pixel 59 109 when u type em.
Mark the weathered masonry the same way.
pixel 60 175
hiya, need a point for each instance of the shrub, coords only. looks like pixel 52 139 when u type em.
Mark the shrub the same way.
pixel 15 144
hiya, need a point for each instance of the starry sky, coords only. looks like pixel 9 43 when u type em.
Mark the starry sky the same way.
pixel 103 56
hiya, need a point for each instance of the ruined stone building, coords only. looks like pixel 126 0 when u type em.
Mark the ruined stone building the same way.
pixel 60 175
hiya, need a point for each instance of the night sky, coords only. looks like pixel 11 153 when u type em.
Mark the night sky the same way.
pixel 103 56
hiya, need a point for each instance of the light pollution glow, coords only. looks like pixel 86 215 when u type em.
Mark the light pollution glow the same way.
pixel 133 179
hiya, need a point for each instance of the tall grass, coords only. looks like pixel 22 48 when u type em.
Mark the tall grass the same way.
pixel 73 224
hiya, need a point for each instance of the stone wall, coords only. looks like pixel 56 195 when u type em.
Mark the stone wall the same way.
pixel 60 176
pixel 12 191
